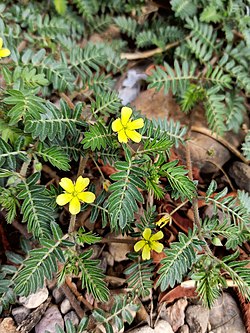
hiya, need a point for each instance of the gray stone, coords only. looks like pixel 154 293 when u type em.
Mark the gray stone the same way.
pixel 240 173
pixel 224 317
pixel 175 314
pixel 48 322
pixel 58 295
pixel 36 299
pixel 161 327
pixel 65 306
pixel 73 317
pixel 20 314
pixel 197 318
pixel 183 329
pixel 119 252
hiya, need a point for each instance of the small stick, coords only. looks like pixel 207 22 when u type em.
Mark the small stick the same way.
pixel 67 100
pixel 148 54
pixel 79 297
pixel 71 297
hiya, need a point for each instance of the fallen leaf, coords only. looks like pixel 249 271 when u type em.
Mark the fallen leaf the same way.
pixel 176 293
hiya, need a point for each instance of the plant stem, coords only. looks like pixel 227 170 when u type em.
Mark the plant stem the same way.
pixel 98 168
pixel 82 164
pixel 72 223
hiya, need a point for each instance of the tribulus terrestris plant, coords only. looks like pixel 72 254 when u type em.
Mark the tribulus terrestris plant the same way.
pixel 60 114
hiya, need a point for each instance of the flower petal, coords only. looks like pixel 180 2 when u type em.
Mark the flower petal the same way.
pixel 63 199
pixel 146 233
pixel 122 137
pixel 87 197
pixel 146 252
pixel 139 245
pixel 125 115
pixel 74 206
pixel 4 53
pixel 133 135
pixel 67 185
pixel 158 235
pixel 1 42
pixel 136 124
pixel 157 247
pixel 81 184
pixel 117 125
pixel 164 220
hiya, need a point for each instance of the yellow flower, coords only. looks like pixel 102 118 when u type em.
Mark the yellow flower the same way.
pixel 74 194
pixel 3 52
pixel 149 243
pixel 164 220
pixel 126 128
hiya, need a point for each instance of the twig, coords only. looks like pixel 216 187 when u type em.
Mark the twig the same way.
pixel 224 173
pixel 148 54
pixel 24 168
pixel 195 200
pixel 79 296
pixel 176 208
pixel 67 100
pixel 22 229
pixel 71 297
pixel 221 141
pixel 117 240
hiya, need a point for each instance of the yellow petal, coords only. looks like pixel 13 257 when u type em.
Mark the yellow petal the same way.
pixel 158 235
pixel 146 252
pixel 1 42
pixel 117 125
pixel 163 221
pixel 146 233
pixel 157 247
pixel 4 53
pixel 87 197
pixel 63 199
pixel 81 184
pixel 136 124
pixel 74 206
pixel 125 115
pixel 133 135
pixel 139 245
pixel 67 185
pixel 122 137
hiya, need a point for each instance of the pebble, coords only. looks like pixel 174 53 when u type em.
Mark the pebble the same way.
pixel 119 252
pixel 73 317
pixel 65 306
pixel 240 173
pixel 48 322
pixel 58 295
pixel 20 313
pixel 161 327
pixel 225 317
pixel 36 299
pixel 175 314
pixel 183 329
pixel 109 258
pixel 197 318
pixel 8 326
